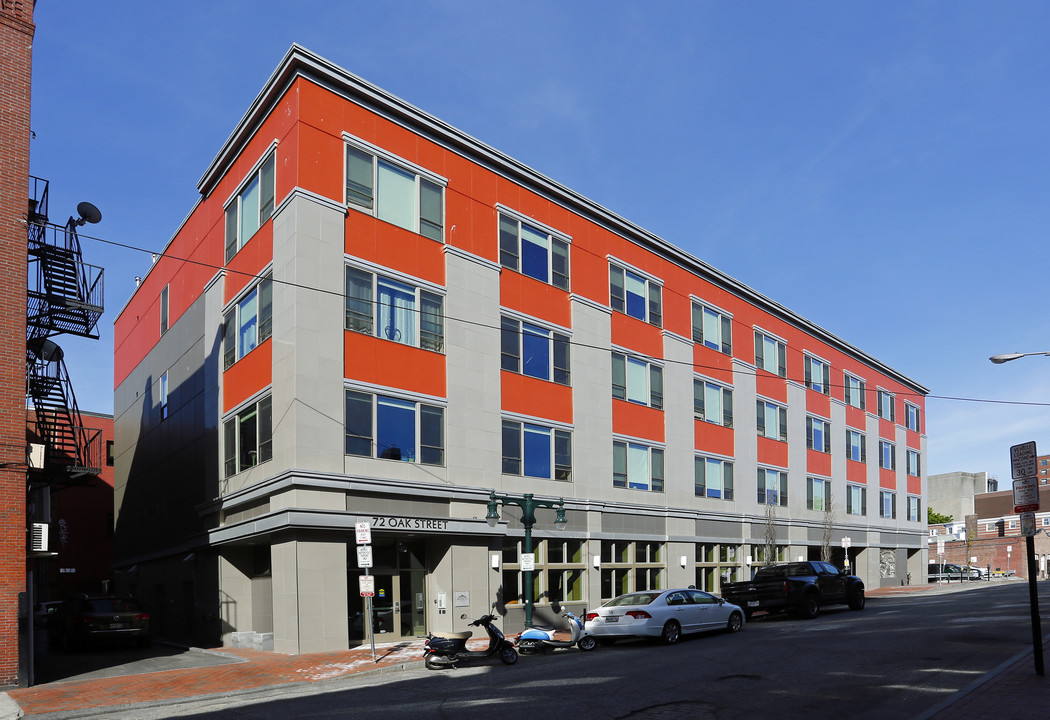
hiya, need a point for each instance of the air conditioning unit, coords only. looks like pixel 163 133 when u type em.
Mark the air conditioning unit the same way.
pixel 38 538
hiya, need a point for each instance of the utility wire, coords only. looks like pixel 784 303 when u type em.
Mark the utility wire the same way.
pixel 665 361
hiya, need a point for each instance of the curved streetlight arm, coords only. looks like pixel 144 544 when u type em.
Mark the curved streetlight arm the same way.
pixel 1007 357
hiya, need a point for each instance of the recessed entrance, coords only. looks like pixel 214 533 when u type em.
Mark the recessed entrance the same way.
pixel 399 605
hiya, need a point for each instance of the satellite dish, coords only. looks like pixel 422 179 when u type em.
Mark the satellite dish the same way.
pixel 88 213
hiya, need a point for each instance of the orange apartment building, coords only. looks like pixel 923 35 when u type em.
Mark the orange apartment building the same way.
pixel 370 316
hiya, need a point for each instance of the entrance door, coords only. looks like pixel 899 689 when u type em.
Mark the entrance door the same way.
pixel 399 604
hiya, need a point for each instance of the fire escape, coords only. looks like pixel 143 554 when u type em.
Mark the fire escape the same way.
pixel 64 297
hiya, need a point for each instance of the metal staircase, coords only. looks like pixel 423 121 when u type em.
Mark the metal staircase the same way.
pixel 65 296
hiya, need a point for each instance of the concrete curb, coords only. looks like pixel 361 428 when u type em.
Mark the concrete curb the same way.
pixel 9 709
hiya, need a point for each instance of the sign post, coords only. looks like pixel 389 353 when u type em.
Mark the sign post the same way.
pixel 1026 500
pixel 366 583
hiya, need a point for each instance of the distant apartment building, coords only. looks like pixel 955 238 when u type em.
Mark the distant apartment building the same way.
pixel 370 316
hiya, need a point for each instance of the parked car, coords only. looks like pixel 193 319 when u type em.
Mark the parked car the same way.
pixel 951 571
pixel 803 587
pixel 85 619
pixel 664 614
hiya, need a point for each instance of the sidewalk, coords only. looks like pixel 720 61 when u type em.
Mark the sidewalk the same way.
pixel 1010 690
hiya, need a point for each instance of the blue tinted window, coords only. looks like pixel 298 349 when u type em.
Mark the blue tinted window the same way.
pixel 396 429
pixel 535 345
pixel 636 302
pixel 534 262
pixel 537 451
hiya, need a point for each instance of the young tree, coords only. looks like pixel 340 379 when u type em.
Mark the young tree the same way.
pixel 771 533
pixel 935 518
pixel 827 529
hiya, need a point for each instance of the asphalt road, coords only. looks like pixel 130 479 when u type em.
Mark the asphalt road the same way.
pixel 894 659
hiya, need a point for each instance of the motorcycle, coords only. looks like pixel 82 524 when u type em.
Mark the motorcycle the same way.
pixel 541 638
pixel 442 650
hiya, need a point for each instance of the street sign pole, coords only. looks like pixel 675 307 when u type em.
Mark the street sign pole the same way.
pixel 1026 500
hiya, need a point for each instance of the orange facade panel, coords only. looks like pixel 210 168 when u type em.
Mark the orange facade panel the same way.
pixel 390 364
pixel 637 421
pixel 631 333
pixel 536 398
pixel 247 376
pixel 771 386
pixel 856 418
pixel 818 463
pixel 713 364
pixel 532 297
pixel 818 403
pixel 914 485
pixel 887 479
pixel 772 452
pixel 887 430
pixel 388 245
pixel 248 263
pixel 856 472
pixel 912 439
pixel 708 437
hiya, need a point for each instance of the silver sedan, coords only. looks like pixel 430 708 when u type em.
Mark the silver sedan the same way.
pixel 664 614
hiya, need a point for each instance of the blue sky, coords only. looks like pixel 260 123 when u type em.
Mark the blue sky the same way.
pixel 881 168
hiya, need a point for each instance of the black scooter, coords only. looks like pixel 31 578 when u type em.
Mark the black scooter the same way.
pixel 443 650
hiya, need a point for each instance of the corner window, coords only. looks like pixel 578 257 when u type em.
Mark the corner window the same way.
pixel 110 459
pixel 818 434
pixel 638 467
pixel 887 455
pixel 635 295
pixel 772 420
pixel 534 351
pixel 536 451
pixel 770 354
pixel 911 416
pixel 818 494
pixel 394 191
pixel 248 323
pixel 713 478
pixel 637 381
pixel 886 410
pixel 888 505
pixel 713 403
pixel 856 446
pixel 914 463
pixel 772 487
pixel 530 250
pixel 250 208
pixel 247 437
pixel 818 375
pixel 394 310
pixel 856 500
pixel 394 429
pixel 854 391
pixel 164 310
pixel 712 328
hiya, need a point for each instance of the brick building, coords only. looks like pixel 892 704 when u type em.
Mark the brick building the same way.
pixel 370 316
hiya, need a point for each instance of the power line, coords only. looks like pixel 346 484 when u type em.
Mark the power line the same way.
pixel 665 361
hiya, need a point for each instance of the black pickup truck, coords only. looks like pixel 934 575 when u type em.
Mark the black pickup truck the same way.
pixel 800 586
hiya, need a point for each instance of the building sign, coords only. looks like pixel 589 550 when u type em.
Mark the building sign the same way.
pixel 367 585
pixel 1022 460
pixel 364 533
pixel 1026 495
pixel 528 562
pixel 396 522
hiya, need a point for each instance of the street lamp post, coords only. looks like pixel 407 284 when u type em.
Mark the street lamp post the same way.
pixel 528 506
pixel 1033 590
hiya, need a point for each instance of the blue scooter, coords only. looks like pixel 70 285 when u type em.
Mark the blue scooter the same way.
pixel 541 638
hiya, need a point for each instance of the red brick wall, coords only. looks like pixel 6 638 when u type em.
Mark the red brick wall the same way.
pixel 16 37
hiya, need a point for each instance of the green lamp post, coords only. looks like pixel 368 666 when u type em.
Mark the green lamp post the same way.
pixel 528 507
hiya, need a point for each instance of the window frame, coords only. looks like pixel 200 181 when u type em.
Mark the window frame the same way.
pixel 887 462
pixel 812 362
pixel 854 493
pixel 652 372
pixel 912 416
pixel 724 322
pixel 234 324
pixel 812 421
pixel 701 486
pixel 854 384
pixel 655 465
pixel 652 301
pixel 233 208
pixel 701 385
pixel 233 424
pixel 780 350
pixel 164 396
pixel 428 440
pixel 887 505
pixel 862 445
pixel 558 451
pixel 915 508
pixel 914 462
pixel 164 309
pixel 514 259
pixel 428 225
pixel 886 399
pixel 629 564
pixel 513 345
pixel 762 407
pixel 780 495
pixel 825 494
pixel 427 311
